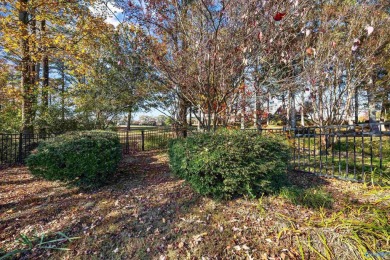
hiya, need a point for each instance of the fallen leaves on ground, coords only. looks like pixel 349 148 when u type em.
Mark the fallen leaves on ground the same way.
pixel 145 213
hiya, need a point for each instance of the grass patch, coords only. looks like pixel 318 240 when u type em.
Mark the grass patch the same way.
pixel 354 229
pixel 37 242
pixel 157 140
pixel 363 228
pixel 311 198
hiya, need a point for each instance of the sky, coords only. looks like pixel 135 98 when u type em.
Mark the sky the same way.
pixel 116 18
pixel 152 112
pixel 115 15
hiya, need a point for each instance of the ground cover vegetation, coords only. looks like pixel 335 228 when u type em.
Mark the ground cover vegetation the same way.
pixel 146 213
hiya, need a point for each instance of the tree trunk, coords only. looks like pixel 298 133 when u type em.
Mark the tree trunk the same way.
pixel 63 92
pixel 288 110
pixel 303 110
pixel 215 121
pixel 128 120
pixel 45 72
pixel 127 131
pixel 208 120
pixel 97 123
pixel 243 104
pixel 385 107
pixel 26 84
pixel 372 108
pixel 183 118
pixel 327 140
pixel 258 111
pixel 190 120
pixel 356 105
pixel 268 106
pixel 293 110
pixel 37 72
pixel 200 118
pixel 257 119
pixel 34 65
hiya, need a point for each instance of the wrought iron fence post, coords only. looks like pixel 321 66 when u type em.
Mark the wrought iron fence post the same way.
pixel 20 155
pixel 143 140
pixel 127 149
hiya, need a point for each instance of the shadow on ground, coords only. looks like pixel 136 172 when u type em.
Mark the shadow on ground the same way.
pixel 139 205
pixel 145 213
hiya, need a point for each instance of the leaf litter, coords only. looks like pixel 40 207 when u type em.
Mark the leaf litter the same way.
pixel 146 213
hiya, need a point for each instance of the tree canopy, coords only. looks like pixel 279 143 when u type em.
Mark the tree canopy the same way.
pixel 63 65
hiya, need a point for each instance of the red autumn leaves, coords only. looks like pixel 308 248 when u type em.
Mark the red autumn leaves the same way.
pixel 279 16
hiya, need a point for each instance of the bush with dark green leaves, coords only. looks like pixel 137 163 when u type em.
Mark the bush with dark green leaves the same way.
pixel 87 159
pixel 231 163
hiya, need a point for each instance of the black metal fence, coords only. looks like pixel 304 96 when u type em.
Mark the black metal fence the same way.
pixel 355 152
pixel 15 148
pixel 351 152
pixel 145 140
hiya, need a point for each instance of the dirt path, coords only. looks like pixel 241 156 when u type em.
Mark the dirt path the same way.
pixel 145 213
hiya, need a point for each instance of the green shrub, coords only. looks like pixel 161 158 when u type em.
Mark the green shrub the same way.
pixel 230 163
pixel 86 159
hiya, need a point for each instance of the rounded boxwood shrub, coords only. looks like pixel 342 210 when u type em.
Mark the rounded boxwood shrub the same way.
pixel 230 163
pixel 86 159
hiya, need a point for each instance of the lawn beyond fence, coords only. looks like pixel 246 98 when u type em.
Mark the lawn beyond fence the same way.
pixel 354 152
pixel 145 140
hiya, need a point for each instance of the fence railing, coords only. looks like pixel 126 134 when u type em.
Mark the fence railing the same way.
pixel 145 140
pixel 355 152
pixel 15 148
